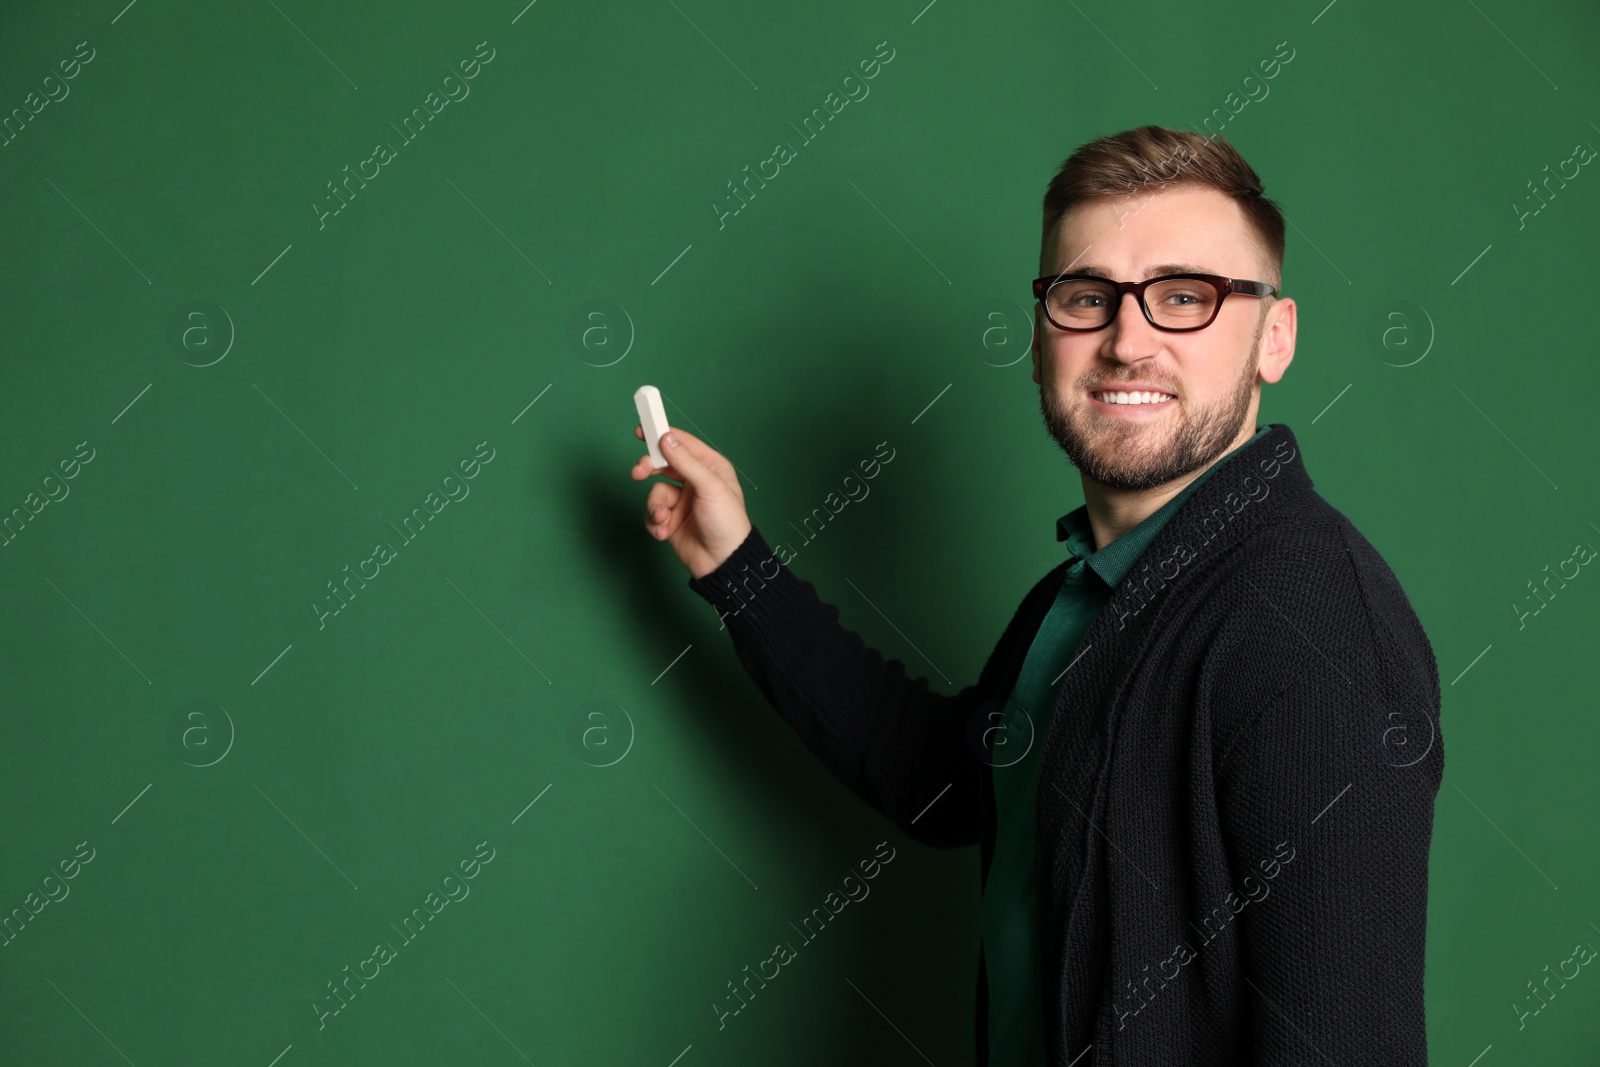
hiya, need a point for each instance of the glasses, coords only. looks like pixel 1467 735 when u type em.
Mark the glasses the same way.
pixel 1177 303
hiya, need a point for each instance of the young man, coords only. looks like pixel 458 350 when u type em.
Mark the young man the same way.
pixel 1201 761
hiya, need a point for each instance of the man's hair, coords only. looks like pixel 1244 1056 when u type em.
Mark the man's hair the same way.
pixel 1153 157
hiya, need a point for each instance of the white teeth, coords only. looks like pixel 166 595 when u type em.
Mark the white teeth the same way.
pixel 1133 398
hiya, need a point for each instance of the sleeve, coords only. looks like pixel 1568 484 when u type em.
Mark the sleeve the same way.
pixel 1327 817
pixel 898 745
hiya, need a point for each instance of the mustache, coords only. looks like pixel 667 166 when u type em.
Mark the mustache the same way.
pixel 1113 384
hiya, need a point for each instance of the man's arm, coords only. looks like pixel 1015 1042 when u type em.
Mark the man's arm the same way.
pixel 898 745
pixel 1328 832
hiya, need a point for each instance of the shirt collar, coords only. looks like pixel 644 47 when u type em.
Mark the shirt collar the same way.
pixel 1114 561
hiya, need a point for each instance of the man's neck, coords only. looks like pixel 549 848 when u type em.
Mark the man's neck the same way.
pixel 1113 512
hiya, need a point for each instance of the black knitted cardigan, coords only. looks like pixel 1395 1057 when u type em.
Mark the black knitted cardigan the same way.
pixel 1235 799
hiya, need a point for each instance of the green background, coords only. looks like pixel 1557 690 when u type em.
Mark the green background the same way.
pixel 551 240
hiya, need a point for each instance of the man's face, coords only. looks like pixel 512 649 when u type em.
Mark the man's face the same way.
pixel 1210 374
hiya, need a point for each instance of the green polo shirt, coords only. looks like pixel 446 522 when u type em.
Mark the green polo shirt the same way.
pixel 1010 922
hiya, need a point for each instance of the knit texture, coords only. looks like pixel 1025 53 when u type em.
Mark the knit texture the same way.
pixel 1235 799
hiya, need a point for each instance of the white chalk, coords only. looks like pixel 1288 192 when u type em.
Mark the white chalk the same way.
pixel 653 418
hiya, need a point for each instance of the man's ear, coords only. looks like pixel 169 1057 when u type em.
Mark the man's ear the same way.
pixel 1278 348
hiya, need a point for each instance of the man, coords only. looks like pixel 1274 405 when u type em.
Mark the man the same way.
pixel 1201 761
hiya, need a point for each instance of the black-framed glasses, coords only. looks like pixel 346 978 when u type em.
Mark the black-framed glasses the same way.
pixel 1177 303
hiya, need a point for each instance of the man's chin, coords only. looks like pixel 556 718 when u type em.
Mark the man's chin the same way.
pixel 1125 457
pixel 1114 472
pixel 1113 436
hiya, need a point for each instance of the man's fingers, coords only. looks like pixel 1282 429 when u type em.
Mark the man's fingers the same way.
pixel 665 509
pixel 691 448
pixel 688 440
pixel 663 497
pixel 644 467
pixel 690 458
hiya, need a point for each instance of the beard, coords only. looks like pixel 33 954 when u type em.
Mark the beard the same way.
pixel 1124 455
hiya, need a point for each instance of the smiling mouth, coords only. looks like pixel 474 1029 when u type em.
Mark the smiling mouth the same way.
pixel 1146 399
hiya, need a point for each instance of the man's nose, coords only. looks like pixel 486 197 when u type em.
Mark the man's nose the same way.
pixel 1130 319
pixel 1129 312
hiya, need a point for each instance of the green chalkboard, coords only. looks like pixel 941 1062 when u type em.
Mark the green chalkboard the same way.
pixel 352 717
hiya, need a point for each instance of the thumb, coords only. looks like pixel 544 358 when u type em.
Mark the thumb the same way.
pixel 679 453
